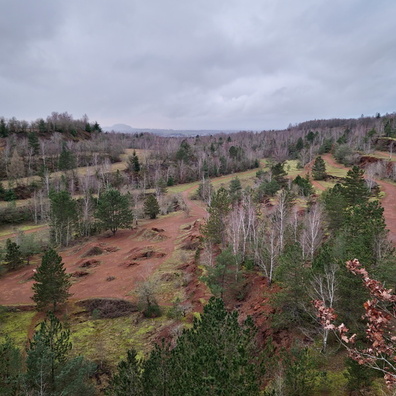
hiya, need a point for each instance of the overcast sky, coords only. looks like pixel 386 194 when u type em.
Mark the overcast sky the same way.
pixel 202 64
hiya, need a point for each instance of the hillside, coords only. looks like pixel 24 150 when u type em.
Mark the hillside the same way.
pixel 245 217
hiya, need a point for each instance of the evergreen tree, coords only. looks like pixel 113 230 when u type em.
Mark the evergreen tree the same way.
pixel 305 187
pixel 217 356
pixel 235 189
pixel 88 127
pixel 171 181
pixel 42 126
pixel 128 379
pixel 219 274
pixel 10 369
pixel 279 173
pixel 3 128
pixel 214 229
pixel 136 163
pixel 67 160
pixel 319 169
pixel 113 211
pixel 13 257
pixel 335 205
pixel 267 189
pixel 300 373
pixel 2 191
pixel 133 163
pixel 151 207
pixel 96 127
pixel 299 144
pixel 355 189
pixel 185 152
pixel 52 283
pixel 49 371
pixel 34 143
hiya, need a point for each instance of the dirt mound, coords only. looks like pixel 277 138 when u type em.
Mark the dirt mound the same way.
pixel 144 253
pixel 155 229
pixel 94 251
pixel 89 264
pixel 108 308
pixel 79 274
pixel 111 249
pixel 154 234
pixel 191 242
pixel 127 264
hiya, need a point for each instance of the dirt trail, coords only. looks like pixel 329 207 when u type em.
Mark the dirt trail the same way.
pixel 117 271
pixel 388 202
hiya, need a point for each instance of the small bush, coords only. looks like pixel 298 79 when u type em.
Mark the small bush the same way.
pixel 152 311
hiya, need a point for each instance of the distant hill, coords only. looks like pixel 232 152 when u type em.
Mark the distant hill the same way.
pixel 123 128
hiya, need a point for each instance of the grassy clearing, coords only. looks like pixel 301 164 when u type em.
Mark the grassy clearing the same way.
pixel 291 168
pixel 109 339
pixel 11 229
pixel 16 325
pixel 246 177
pixel 334 171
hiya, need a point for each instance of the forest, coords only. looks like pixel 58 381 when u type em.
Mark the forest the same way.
pixel 248 263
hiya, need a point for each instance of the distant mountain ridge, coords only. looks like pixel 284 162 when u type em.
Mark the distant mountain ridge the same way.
pixel 124 128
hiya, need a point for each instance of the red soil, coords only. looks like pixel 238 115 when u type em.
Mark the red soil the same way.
pixel 119 259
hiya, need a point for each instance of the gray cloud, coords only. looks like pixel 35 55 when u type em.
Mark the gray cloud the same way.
pixel 228 64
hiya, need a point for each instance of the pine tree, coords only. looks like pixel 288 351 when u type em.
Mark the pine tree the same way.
pixel 10 369
pixel 66 160
pixel 355 189
pixel 13 257
pixel 319 169
pixel 113 211
pixel 217 356
pixel 49 370
pixel 34 142
pixel 235 189
pixel 136 163
pixel 128 379
pixel 52 283
pixel 214 229
pixel 279 174
pixel 151 207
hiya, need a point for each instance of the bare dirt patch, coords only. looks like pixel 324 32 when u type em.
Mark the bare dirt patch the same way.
pixel 115 259
pixel 108 308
